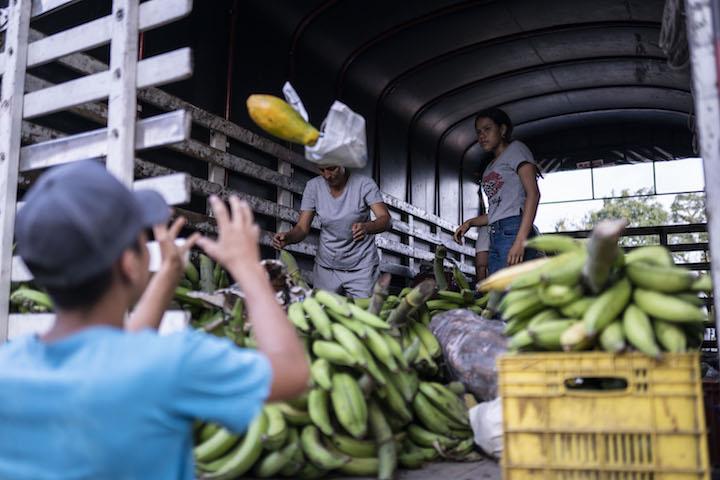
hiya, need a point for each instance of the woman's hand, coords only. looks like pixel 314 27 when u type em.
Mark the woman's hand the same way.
pixel 516 253
pixel 359 231
pixel 279 240
pixel 460 232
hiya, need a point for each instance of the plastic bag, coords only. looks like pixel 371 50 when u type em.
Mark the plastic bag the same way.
pixel 487 426
pixel 470 345
pixel 342 139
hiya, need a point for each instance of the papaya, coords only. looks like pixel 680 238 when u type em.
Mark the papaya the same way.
pixel 278 118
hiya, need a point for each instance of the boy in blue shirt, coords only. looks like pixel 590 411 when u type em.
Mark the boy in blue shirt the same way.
pixel 100 398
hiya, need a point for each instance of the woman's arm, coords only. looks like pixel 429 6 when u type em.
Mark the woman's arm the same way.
pixel 479 221
pixel 379 225
pixel 528 176
pixel 297 233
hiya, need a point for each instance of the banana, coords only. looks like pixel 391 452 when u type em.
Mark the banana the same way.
pixel 318 317
pixel 361 302
pixel 607 306
pixel 396 349
pixel 245 454
pixel 318 410
pixel 411 460
pixel 279 119
pixel 321 373
pixel 208 430
pixel 293 416
pixel 502 279
pixel 353 447
pixel 639 331
pixel 450 296
pixel 192 274
pixel 670 336
pixel 367 318
pixel 387 451
pixel 277 460
pixel 612 338
pixel 666 307
pixel 430 416
pixel 514 325
pixel 691 297
pixel 660 279
pixel 652 254
pixel 217 445
pixel 360 467
pixel 277 431
pixel 425 362
pixel 405 382
pixel 554 243
pixel 347 339
pixel 577 308
pixel 515 296
pixel 380 349
pixel 296 314
pixel 547 335
pixel 558 295
pixel 428 439
pixel 299 402
pixel 358 328
pixel 521 339
pixel 575 337
pixel 547 314
pixel 33 300
pixel 333 301
pixel 427 338
pixel 445 401
pixel 318 454
pixel 703 283
pixel 311 472
pixel 412 350
pixel 565 271
pixel 349 404
pixel 395 402
pixel 524 307
pixel 334 353
pixel 442 304
pixel 296 463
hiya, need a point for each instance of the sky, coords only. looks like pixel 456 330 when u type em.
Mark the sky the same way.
pixel 671 177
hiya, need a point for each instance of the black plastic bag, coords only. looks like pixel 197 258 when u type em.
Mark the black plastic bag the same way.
pixel 471 345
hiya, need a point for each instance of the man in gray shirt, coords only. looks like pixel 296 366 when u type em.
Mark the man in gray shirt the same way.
pixel 347 258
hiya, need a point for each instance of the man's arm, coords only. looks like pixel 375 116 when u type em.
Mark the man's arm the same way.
pixel 236 249
pixel 157 296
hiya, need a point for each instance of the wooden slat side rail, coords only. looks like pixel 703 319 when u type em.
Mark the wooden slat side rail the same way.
pixel 13 87
pixel 156 97
pixel 157 131
pixel 154 13
pixel 157 70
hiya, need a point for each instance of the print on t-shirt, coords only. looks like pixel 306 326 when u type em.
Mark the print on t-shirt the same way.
pixel 492 183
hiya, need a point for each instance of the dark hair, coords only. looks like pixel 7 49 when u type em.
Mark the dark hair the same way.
pixel 87 293
pixel 499 117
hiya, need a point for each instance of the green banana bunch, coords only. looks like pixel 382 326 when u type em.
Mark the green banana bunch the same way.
pixel 554 243
pixel 639 331
pixel 666 307
pixel 660 278
pixel 318 453
pixel 607 306
pixel 31 300
pixel 276 432
pixel 321 373
pixel 275 461
pixel 319 412
pixel 349 404
pixel 241 458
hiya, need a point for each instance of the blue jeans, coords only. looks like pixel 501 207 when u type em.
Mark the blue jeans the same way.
pixel 502 235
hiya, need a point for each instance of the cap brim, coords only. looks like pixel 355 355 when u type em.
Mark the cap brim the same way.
pixel 153 208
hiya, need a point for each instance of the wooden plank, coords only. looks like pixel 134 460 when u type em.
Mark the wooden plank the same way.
pixel 21 273
pixel 39 323
pixel 217 174
pixel 43 7
pixel 151 132
pixel 284 197
pixel 93 34
pixel 157 70
pixel 13 85
pixel 174 188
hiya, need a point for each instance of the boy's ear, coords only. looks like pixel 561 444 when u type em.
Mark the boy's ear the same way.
pixel 130 266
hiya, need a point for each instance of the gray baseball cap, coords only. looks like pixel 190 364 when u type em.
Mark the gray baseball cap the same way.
pixel 78 219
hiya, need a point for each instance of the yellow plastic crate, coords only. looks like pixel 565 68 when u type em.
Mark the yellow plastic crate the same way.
pixel 602 416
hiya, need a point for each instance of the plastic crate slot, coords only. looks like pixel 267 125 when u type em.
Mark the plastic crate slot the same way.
pixel 596 384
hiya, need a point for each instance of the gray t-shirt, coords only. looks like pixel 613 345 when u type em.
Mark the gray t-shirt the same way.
pixel 337 249
pixel 502 185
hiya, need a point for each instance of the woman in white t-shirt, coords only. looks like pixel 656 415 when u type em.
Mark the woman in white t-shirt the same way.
pixel 510 184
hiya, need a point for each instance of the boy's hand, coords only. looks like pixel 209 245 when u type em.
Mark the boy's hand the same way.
pixel 236 247
pixel 173 255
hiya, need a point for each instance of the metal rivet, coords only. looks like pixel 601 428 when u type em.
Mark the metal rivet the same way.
pixel 115 133
pixel 10 51
pixel 2 157
pixel 120 14
pixel 117 73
